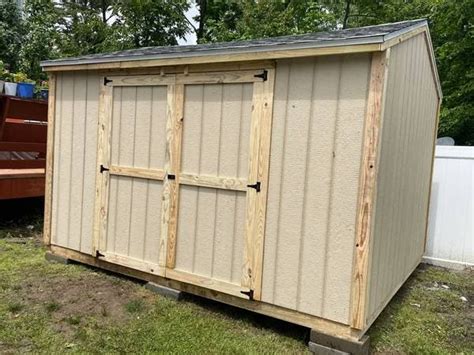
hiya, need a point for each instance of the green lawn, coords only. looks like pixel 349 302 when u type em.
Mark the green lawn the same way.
pixel 47 307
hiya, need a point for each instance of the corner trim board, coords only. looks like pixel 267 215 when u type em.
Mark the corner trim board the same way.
pixel 48 190
pixel 367 188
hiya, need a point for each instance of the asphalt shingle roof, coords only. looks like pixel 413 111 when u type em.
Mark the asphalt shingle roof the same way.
pixel 361 35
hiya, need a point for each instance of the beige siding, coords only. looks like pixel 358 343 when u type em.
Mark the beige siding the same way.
pixel 75 146
pixel 138 139
pixel 211 222
pixel 404 172
pixel 319 110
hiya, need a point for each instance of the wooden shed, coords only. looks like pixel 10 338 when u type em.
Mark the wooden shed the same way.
pixel 289 176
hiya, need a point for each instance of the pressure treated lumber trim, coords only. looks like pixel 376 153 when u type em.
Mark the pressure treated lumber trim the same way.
pixel 213 182
pixel 205 282
pixel 175 168
pixel 433 154
pixel 306 320
pixel 197 68
pixel 142 80
pixel 191 78
pixel 367 187
pixel 142 173
pixel 434 69
pixel 166 194
pixel 252 198
pixel 221 58
pixel 133 263
pixel 48 191
pixel 103 158
pixel 262 176
pixel 403 37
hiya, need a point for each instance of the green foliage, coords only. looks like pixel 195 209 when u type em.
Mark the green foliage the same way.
pixel 52 29
pixel 144 23
pixel 11 33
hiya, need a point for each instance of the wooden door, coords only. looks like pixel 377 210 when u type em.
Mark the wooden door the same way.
pixel 183 175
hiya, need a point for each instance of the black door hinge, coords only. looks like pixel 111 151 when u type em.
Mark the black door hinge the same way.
pixel 263 76
pixel 106 81
pixel 248 293
pixel 98 254
pixel 171 177
pixel 103 168
pixel 255 186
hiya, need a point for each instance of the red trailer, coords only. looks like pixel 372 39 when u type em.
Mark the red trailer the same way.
pixel 23 132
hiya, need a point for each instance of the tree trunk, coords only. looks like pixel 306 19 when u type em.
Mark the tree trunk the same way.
pixel 202 19
pixel 347 12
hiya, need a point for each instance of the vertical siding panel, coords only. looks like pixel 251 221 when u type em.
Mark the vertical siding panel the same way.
pixel 125 184
pixel 228 167
pixel 404 173
pixel 114 160
pixel 156 157
pixel 90 159
pixel 141 153
pixel 348 150
pixel 319 163
pixel 77 160
pixel 190 162
pixel 66 117
pixel 207 198
pixel 57 152
pixel 314 173
pixel 294 155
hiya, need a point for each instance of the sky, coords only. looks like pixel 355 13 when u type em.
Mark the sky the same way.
pixel 190 37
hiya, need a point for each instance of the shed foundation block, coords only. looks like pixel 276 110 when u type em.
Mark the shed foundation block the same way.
pixel 54 258
pixel 323 344
pixel 164 291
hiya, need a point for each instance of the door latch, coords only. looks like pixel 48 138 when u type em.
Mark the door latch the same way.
pixel 255 186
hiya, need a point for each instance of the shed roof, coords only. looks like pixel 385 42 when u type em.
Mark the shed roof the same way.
pixel 368 35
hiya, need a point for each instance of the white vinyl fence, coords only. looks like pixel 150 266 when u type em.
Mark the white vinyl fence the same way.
pixel 451 220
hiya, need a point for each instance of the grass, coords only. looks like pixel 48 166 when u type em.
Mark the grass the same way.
pixel 52 308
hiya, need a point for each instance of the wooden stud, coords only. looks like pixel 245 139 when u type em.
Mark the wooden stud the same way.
pixel 306 320
pixel 103 158
pixel 175 168
pixel 367 188
pixel 48 192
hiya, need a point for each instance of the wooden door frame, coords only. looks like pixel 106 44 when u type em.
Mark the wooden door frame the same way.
pixel 259 154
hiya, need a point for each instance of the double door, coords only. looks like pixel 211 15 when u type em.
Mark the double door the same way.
pixel 182 176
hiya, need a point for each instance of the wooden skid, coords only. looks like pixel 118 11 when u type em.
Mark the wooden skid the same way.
pixel 319 324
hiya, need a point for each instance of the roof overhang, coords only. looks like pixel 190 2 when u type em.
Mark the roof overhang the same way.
pixel 239 53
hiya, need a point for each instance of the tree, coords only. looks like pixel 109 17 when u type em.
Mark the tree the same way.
pixel 144 23
pixel 41 38
pixel 11 33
